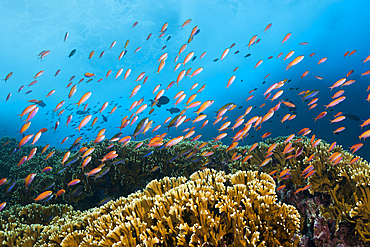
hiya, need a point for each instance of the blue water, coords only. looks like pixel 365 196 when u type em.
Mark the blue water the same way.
pixel 330 27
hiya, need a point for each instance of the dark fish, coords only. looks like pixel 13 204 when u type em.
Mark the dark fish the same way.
pixel 173 158
pixel 161 147
pixel 78 194
pixel 163 100
pixel 47 199
pixel 49 185
pixel 240 107
pixel 50 218
pixel 105 118
pixel 10 186
pixel 236 52
pixel 195 57
pixel 198 31
pixel 76 190
pixel 352 117
pixel 72 53
pixel 102 173
pixel 71 161
pixel 41 103
pixel 105 200
pixel 185 151
pixel 151 152
pixel 215 60
pixel 310 94
pixel 13 150
pixel 173 110
pixel 75 146
pixel 140 127
pixel 118 135
pixel 263 82
pixel 248 55
pixel 79 112
pixel 168 38
pixel 119 161
pixel 195 159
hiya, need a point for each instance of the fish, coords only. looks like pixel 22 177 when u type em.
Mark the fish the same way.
pixel 286 38
pixel 8 76
pixel 173 110
pixel 74 182
pixel 72 53
pixel 43 195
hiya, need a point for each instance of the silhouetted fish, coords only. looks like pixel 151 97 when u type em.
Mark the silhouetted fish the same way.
pixel 41 103
pixel 163 100
pixel 352 117
pixel 79 112
pixel 72 53
pixel 173 110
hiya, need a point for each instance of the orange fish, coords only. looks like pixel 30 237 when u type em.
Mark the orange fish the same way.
pixel 91 54
pixel 83 122
pixel 258 63
pixel 267 27
pixel 11 73
pixel 85 97
pixel 281 187
pixel 252 41
pixel 43 195
pixel 74 182
pixel 295 62
pixel 304 74
pixel 226 51
pixel 365 135
pixel 266 135
pixel 322 60
pixel 351 53
pixel 286 38
pixel 93 171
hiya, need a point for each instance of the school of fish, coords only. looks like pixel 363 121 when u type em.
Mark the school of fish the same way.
pixel 194 114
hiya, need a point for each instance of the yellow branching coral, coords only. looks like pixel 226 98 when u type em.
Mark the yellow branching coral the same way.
pixel 211 207
pixel 208 208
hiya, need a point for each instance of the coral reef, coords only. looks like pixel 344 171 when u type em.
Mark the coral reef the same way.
pixel 209 209
pixel 337 193
pixel 328 185
pixel 129 172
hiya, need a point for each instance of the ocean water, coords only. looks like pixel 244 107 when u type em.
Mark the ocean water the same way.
pixel 330 29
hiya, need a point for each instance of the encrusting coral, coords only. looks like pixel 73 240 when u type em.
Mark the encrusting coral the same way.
pixel 209 209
